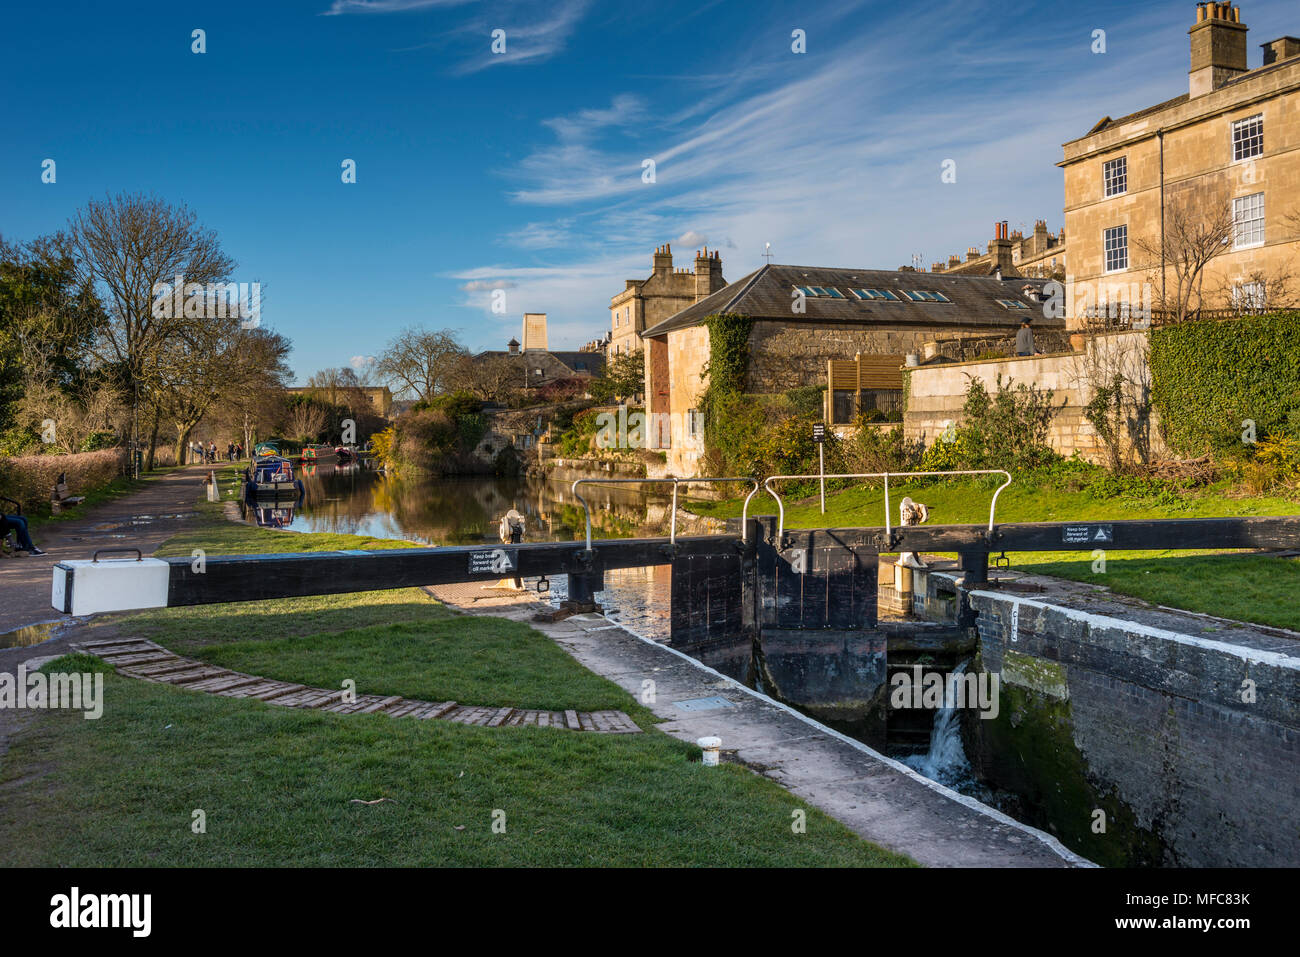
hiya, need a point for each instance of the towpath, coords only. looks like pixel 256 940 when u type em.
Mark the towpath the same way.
pixel 143 519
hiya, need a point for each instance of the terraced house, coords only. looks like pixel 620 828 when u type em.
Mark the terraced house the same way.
pixel 804 316
pixel 1212 173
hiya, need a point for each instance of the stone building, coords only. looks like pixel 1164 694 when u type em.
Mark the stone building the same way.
pixel 846 312
pixel 540 366
pixel 1040 255
pixel 1233 137
pixel 380 397
pixel 645 302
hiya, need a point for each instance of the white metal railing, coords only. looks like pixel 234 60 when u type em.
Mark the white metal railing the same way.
pixel 780 506
pixel 672 526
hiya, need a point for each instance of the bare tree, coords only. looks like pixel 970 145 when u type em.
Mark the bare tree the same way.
pixel 126 248
pixel 493 378
pixel 1198 229
pixel 420 363
pixel 1113 378
pixel 306 421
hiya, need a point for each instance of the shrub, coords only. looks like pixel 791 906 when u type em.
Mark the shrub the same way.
pixel 30 478
pixel 1007 429
pixel 871 449
pixel 807 401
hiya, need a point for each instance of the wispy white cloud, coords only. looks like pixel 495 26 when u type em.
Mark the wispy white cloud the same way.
pixel 834 157
pixel 526 40
pixel 339 7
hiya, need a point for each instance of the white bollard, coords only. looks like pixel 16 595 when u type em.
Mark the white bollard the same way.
pixel 711 747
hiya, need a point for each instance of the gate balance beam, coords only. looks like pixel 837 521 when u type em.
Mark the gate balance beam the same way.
pixel 90 587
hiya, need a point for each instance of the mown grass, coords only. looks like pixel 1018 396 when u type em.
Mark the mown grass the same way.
pixel 1248 587
pixel 278 786
pixel 461 658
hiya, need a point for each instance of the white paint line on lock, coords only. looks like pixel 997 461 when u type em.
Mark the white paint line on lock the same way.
pixel 1250 655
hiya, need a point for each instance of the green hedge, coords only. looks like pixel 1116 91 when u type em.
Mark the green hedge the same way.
pixel 1209 377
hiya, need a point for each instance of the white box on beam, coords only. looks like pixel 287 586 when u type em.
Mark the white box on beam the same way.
pixel 89 587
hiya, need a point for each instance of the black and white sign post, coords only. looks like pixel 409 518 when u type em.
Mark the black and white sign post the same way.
pixel 819 436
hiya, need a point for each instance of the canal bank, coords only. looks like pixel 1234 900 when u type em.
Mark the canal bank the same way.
pixel 879 798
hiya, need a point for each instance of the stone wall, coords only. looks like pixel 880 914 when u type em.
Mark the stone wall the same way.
pixel 785 356
pixel 688 354
pixel 1190 747
pixel 937 393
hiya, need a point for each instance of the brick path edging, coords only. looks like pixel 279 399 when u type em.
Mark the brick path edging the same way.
pixel 148 661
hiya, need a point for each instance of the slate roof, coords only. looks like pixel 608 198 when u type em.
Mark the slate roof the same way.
pixel 581 363
pixel 766 293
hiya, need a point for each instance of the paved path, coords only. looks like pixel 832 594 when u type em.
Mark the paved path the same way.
pixel 137 658
pixel 143 520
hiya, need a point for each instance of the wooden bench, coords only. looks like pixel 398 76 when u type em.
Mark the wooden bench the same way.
pixel 60 499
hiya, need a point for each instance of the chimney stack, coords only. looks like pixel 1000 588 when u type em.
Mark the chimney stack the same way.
pixel 1000 247
pixel 1218 47
pixel 663 260
pixel 708 273
pixel 1282 48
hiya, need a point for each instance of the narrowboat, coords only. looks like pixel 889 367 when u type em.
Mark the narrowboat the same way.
pixel 272 475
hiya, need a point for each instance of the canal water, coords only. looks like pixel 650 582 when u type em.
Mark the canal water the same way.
pixel 467 510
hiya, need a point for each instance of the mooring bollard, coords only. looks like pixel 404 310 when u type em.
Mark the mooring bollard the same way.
pixel 711 747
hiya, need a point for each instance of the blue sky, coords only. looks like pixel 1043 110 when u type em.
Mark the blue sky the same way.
pixel 523 170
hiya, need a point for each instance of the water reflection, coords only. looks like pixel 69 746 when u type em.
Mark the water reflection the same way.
pixel 270 514
pixel 355 500
pixel 466 511
pixel 30 635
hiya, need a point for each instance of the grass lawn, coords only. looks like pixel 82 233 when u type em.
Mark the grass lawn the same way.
pixel 277 785
pixel 1247 587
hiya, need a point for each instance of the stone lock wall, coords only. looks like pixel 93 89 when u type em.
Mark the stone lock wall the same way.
pixel 1190 747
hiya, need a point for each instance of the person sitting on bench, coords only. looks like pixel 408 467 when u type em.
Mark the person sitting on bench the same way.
pixel 18 525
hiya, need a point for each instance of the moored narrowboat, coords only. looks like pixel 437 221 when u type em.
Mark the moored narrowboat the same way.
pixel 272 475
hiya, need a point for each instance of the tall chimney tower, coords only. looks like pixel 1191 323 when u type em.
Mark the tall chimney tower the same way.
pixel 1218 47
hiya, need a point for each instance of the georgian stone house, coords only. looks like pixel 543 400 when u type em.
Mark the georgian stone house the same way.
pixel 666 291
pixel 1233 138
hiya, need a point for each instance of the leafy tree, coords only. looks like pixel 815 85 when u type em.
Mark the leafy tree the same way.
pixel 622 378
